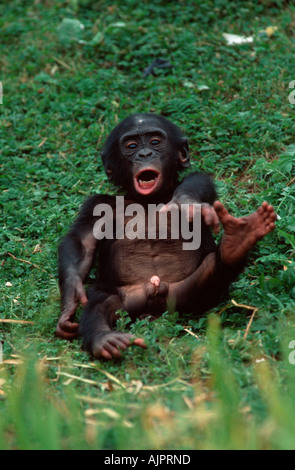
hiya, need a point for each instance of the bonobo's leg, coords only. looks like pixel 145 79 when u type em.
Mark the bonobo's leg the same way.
pixel 77 253
pixel 241 234
pixel 205 286
pixel 75 258
pixel 96 327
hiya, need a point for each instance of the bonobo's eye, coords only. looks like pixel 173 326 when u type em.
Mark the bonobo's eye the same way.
pixel 155 141
pixel 131 145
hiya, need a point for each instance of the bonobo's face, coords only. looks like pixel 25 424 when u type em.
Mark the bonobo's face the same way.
pixel 144 154
pixel 146 148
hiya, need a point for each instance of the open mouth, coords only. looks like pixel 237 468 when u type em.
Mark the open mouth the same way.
pixel 146 181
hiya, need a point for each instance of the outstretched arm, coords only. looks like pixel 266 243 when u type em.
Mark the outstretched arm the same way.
pixel 76 254
pixel 197 188
pixel 211 279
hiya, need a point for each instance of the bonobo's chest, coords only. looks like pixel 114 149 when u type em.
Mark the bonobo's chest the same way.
pixel 152 244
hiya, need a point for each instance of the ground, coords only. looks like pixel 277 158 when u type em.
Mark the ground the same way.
pixel 221 381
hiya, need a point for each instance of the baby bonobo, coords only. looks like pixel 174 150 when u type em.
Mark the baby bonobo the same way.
pixel 138 269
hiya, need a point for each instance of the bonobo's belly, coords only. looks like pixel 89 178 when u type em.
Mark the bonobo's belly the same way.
pixel 136 261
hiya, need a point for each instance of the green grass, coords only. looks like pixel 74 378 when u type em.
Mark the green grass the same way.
pixel 203 383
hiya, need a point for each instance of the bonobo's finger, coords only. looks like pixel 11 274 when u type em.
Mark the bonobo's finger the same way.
pixel 118 342
pixel 170 206
pixel 113 350
pixel 210 217
pixel 272 226
pixel 188 206
pixel 124 337
pixel 269 211
pixel 65 335
pixel 83 299
pixel 105 354
pixel 190 212
pixel 189 209
pixel 66 329
pixel 139 342
pixel 130 339
pixel 68 325
pixel 215 223
pixel 220 209
pixel 113 344
pixel 120 345
pixel 207 215
pixel 81 294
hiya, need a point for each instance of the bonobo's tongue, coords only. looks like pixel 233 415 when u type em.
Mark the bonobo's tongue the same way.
pixel 146 181
pixel 146 184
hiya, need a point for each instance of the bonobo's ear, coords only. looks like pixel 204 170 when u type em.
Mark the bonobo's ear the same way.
pixel 107 164
pixel 109 173
pixel 183 154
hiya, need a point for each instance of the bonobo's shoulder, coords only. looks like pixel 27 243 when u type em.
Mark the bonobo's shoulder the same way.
pixel 85 218
pixel 92 201
pixel 198 186
pixel 197 176
pixel 96 198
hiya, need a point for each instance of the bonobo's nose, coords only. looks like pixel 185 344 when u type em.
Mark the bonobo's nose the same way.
pixel 145 153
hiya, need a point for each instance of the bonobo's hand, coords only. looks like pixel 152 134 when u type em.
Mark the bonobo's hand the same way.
pixel 109 344
pixel 66 328
pixel 208 212
pixel 210 217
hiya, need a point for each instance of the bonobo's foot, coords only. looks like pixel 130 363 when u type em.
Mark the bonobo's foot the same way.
pixel 241 234
pixel 110 344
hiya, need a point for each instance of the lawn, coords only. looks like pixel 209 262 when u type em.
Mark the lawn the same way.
pixel 71 70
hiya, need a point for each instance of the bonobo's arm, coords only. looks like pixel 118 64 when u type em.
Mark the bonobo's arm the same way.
pixel 197 188
pixel 76 254
pixel 205 286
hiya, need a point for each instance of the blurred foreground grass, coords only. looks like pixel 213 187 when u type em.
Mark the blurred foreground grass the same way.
pixel 207 410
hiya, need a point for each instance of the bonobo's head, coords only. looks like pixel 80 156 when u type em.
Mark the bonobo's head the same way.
pixel 143 155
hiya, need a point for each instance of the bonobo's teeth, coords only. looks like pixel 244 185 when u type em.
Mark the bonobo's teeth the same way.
pixel 147 181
